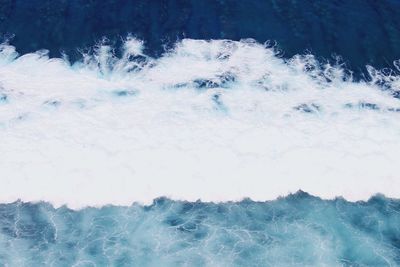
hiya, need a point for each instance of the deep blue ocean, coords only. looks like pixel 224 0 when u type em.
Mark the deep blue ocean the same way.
pixel 298 229
pixel 361 31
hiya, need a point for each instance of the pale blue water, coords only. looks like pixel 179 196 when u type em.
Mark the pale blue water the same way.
pixel 299 230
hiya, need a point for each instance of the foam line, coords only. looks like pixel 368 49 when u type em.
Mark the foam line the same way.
pixel 212 120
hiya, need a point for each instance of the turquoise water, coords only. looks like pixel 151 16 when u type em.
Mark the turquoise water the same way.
pixel 298 230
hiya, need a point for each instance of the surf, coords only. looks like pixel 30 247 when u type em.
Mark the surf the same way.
pixel 215 120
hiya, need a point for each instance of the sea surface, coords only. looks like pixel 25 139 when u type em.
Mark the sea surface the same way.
pixel 298 230
pixel 199 133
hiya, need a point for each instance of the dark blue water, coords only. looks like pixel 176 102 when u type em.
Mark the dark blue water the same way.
pixel 299 230
pixel 361 31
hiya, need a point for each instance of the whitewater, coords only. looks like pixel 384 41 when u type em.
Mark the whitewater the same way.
pixel 209 120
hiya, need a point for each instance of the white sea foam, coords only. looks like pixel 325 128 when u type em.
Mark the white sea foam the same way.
pixel 211 120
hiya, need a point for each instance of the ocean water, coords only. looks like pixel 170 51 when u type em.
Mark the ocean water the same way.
pixel 361 31
pixel 298 230
pixel 177 133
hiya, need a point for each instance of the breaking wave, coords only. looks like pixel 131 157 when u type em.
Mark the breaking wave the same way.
pixel 214 120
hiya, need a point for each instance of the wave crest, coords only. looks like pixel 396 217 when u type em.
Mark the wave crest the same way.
pixel 214 119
